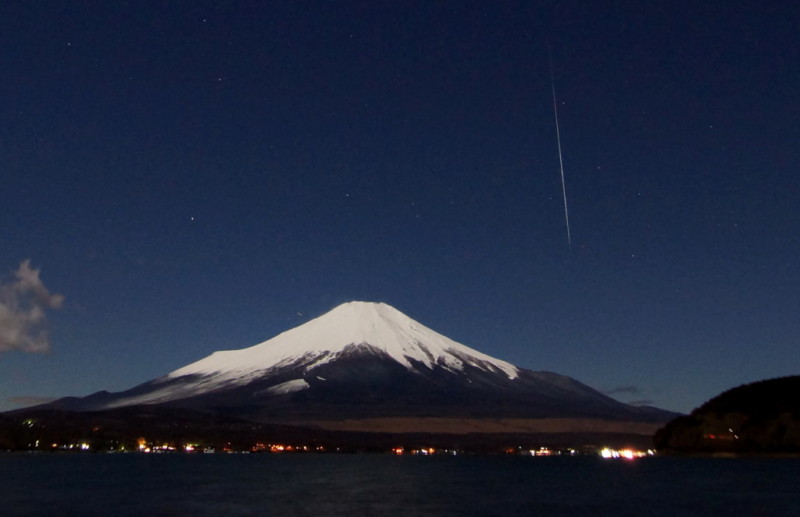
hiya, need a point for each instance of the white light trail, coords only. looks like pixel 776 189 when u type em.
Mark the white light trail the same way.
pixel 558 138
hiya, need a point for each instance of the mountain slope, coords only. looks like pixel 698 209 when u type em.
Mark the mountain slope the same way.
pixel 759 417
pixel 366 360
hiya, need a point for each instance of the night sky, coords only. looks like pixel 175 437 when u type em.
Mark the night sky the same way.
pixel 199 176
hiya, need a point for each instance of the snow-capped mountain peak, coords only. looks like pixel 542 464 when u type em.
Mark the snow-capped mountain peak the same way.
pixel 362 360
pixel 376 325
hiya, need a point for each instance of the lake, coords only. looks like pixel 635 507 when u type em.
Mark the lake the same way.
pixel 373 484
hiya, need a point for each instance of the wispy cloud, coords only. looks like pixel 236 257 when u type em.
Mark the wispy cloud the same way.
pixel 642 402
pixel 629 391
pixel 624 390
pixel 25 401
pixel 23 302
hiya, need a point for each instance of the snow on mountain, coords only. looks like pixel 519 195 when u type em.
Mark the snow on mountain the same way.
pixel 364 360
pixel 375 326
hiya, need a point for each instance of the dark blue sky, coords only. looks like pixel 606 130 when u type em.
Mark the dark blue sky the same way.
pixel 196 176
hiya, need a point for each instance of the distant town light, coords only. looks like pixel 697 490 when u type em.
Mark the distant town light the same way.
pixel 628 454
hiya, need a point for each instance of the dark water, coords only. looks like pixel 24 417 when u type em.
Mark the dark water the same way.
pixel 354 485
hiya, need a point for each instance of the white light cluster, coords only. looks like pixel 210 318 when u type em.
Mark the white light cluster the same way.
pixel 627 454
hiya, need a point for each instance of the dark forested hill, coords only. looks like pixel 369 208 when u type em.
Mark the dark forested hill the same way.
pixel 762 417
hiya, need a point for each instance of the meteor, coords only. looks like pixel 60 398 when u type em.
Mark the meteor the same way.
pixel 558 139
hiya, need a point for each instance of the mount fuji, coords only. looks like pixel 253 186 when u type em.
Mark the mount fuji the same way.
pixel 367 362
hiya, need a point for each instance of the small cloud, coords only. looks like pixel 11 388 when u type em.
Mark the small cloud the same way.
pixel 627 390
pixel 630 391
pixel 25 401
pixel 23 302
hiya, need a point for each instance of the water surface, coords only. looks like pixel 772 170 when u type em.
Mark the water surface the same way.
pixel 340 484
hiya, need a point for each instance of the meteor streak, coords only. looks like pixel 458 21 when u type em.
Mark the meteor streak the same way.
pixel 558 139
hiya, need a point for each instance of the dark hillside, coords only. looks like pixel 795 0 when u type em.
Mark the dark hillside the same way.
pixel 762 417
